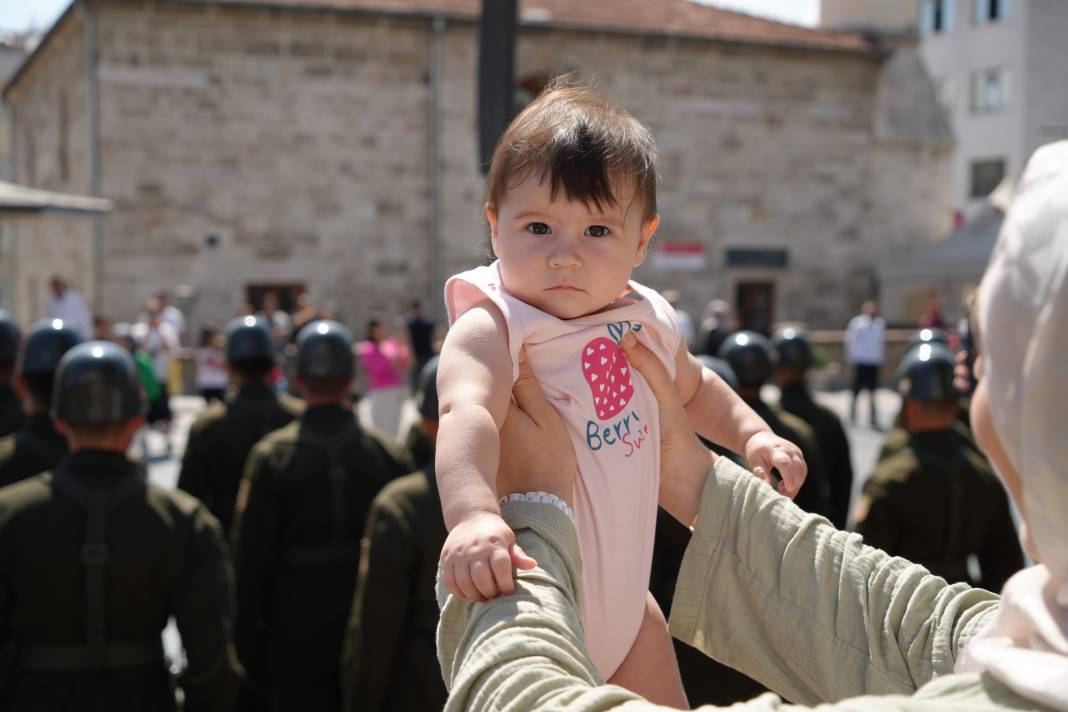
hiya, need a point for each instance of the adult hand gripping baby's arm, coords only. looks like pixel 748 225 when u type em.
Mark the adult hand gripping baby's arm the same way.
pixel 684 461
pixel 474 388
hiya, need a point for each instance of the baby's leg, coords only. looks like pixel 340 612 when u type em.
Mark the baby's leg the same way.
pixel 650 668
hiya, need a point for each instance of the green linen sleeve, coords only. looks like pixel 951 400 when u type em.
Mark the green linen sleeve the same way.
pixel 808 610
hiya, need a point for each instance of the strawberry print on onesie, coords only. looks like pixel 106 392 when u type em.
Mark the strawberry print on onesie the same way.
pixel 611 414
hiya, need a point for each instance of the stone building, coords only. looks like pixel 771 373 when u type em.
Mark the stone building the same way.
pixel 330 145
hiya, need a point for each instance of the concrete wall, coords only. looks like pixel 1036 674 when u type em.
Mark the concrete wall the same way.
pixel 956 54
pixel 1046 91
pixel 245 146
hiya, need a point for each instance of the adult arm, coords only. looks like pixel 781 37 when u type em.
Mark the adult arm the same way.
pixel 379 608
pixel 810 611
pixel 526 651
pixel 204 613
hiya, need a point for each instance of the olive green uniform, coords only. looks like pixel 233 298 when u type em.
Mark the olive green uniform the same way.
pixel 815 494
pixel 300 517
pixel 833 445
pixel 935 503
pixel 220 440
pixel 419 446
pixel 93 561
pixel 390 659
pixel 12 416
pixel 34 449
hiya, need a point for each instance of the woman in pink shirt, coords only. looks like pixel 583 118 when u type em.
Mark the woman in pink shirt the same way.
pixel 384 361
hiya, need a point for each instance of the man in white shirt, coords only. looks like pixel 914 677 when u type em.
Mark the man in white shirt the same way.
pixel 66 304
pixel 172 315
pixel 865 342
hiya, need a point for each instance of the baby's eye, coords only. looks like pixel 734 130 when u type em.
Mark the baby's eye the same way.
pixel 538 228
pixel 597 231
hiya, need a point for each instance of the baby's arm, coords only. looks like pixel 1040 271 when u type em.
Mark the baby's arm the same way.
pixel 720 415
pixel 474 390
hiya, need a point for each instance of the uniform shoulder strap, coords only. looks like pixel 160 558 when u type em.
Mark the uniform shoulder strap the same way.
pixel 95 554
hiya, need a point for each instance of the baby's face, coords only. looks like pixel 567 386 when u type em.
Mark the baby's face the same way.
pixel 562 256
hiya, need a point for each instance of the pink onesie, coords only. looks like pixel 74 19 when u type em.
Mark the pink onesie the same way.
pixel 612 416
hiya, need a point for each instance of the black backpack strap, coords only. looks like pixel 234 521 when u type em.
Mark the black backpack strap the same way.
pixel 96 556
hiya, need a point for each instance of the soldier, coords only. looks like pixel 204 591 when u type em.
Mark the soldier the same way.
pixel 37 447
pixel 749 356
pixel 935 502
pixel 300 517
pixel 223 435
pixel 793 358
pixel 898 436
pixel 390 659
pixel 423 433
pixel 96 560
pixel 12 416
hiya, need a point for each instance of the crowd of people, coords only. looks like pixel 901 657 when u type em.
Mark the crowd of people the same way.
pixel 506 550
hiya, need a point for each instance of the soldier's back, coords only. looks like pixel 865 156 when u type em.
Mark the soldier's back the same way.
pixel 833 444
pixel 814 496
pixel 391 653
pixel 97 561
pixel 220 441
pixel 301 515
pixel 34 449
pixel 12 416
pixel 936 502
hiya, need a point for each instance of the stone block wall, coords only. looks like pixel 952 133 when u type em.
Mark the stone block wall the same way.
pixel 49 112
pixel 250 146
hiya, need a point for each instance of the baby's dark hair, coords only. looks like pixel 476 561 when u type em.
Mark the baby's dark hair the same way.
pixel 580 142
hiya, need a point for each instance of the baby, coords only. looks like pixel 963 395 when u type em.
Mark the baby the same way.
pixel 571 203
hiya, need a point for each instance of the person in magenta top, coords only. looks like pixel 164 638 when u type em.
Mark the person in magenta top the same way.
pixel 384 361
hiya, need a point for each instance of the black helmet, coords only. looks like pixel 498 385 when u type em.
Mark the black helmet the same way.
pixel 10 337
pixel 97 384
pixel 721 368
pixel 792 348
pixel 426 397
pixel 926 373
pixel 324 350
pixel 248 338
pixel 929 336
pixel 45 346
pixel 749 356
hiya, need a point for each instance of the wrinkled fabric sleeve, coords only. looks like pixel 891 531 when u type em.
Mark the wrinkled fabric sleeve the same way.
pixel 810 611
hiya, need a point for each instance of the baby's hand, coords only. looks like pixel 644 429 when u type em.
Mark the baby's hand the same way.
pixel 477 559
pixel 766 450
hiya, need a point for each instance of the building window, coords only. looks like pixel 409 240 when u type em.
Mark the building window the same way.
pixel 990 10
pixel 990 90
pixel 938 16
pixel 986 176
pixel 946 91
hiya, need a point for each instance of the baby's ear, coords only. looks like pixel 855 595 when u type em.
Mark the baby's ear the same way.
pixel 645 238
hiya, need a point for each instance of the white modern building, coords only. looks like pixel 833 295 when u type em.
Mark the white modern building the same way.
pixel 1000 68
